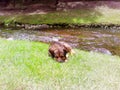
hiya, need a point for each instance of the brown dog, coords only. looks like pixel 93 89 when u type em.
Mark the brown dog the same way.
pixel 58 51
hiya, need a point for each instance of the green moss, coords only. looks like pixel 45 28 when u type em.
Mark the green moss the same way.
pixel 68 17
pixel 51 18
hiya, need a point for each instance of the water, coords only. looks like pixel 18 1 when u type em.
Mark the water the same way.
pixel 99 40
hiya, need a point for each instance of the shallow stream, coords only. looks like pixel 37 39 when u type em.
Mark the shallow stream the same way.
pixel 92 39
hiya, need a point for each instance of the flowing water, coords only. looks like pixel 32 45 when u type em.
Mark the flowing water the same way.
pixel 99 40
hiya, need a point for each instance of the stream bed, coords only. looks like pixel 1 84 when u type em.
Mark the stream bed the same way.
pixel 91 39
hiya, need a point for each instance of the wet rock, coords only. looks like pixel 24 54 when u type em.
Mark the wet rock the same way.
pixel 28 26
pixel 1 24
pixel 10 39
pixel 102 50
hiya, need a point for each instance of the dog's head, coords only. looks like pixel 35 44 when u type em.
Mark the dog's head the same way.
pixel 59 50
pixel 60 55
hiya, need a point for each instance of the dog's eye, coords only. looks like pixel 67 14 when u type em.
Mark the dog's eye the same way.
pixel 56 57
pixel 62 56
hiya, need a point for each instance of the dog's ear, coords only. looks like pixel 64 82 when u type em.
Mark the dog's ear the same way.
pixel 51 53
pixel 69 49
pixel 65 52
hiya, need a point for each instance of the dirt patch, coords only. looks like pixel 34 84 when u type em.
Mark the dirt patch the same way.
pixel 29 9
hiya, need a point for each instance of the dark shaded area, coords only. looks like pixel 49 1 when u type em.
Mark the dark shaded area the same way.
pixel 68 4
pixel 28 6
pixel 10 7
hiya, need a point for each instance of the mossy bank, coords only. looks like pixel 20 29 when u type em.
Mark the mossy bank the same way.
pixel 98 17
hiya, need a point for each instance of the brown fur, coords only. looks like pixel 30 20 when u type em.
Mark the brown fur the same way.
pixel 59 50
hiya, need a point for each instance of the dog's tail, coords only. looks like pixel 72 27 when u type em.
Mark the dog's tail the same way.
pixel 72 52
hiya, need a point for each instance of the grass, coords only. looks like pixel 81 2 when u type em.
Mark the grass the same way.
pixel 98 15
pixel 25 65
